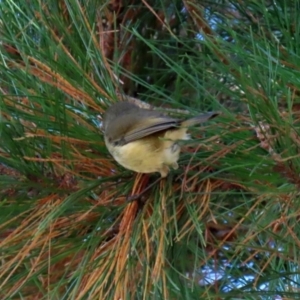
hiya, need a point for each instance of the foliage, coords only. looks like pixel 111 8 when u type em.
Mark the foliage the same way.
pixel 224 225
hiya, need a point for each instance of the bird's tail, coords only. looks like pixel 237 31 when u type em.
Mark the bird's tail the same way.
pixel 199 119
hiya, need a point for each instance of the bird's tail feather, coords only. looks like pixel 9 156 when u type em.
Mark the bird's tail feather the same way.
pixel 200 119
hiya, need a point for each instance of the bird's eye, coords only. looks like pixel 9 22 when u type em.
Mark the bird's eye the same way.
pixel 119 142
pixel 116 142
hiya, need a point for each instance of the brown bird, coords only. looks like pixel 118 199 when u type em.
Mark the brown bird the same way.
pixel 144 140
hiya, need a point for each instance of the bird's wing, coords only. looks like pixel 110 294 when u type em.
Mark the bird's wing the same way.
pixel 152 125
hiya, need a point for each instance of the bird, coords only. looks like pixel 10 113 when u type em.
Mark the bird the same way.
pixel 145 140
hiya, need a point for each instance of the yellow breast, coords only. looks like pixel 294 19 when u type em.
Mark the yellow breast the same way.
pixel 150 154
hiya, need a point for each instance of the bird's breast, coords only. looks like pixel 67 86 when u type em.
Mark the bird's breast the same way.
pixel 149 154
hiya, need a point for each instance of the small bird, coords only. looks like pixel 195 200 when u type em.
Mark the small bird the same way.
pixel 143 140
